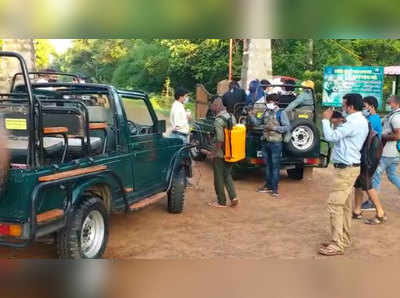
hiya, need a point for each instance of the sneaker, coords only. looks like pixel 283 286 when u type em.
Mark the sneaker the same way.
pixel 275 194
pixel 264 189
pixel 368 206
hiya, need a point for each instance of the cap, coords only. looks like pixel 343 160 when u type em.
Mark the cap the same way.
pixel 308 83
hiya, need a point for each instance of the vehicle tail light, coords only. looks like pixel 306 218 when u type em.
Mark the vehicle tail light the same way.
pixel 10 230
pixel 256 161
pixel 311 161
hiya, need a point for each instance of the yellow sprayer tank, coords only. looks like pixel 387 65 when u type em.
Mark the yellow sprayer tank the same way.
pixel 235 143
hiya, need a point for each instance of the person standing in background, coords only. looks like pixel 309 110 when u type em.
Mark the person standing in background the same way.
pixel 304 99
pixel 178 116
pixel 222 169
pixel 234 95
pixel 390 157
pixel 265 86
pixel 369 111
pixel 276 125
pixel 256 92
pixel 179 119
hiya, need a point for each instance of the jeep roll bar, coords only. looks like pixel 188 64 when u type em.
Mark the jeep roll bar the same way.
pixel 74 76
pixel 241 105
pixel 32 137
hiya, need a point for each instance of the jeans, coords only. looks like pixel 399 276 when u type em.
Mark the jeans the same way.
pixel 185 140
pixel 272 156
pixel 388 164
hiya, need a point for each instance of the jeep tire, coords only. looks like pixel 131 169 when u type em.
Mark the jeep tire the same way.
pixel 86 233
pixel 176 195
pixel 296 173
pixel 304 138
pixel 194 151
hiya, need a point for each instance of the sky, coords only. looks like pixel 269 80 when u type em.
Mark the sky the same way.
pixel 61 45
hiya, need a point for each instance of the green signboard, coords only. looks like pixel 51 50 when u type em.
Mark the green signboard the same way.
pixel 340 80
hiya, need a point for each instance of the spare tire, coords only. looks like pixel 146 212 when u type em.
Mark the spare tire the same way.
pixel 304 138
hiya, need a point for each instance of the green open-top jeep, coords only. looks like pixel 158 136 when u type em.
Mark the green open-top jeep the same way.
pixel 77 153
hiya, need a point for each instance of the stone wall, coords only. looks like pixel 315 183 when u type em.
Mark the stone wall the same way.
pixel 257 61
pixel 9 67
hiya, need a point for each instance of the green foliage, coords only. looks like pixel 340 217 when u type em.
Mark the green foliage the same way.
pixel 95 58
pixel 289 56
pixel 146 64
pixel 44 50
pixel 160 65
pixel 144 67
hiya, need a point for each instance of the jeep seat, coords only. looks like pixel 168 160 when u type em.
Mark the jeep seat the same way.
pixel 18 148
pixel 75 145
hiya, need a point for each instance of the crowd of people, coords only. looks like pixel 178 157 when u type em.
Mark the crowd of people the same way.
pixel 347 131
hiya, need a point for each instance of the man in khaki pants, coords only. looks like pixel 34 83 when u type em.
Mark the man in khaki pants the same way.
pixel 348 140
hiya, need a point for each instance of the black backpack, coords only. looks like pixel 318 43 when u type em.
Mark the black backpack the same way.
pixel 371 152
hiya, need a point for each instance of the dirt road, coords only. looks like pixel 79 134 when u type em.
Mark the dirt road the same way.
pixel 261 227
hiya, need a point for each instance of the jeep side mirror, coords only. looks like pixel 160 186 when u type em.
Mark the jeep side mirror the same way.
pixel 161 126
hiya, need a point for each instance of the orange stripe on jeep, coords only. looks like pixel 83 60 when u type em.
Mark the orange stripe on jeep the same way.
pixel 71 173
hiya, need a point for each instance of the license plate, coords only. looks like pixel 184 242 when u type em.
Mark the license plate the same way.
pixel 260 154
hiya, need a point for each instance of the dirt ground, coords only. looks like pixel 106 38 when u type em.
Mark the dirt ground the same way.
pixel 261 227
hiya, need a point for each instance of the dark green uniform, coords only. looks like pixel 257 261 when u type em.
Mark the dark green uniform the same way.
pixel 222 169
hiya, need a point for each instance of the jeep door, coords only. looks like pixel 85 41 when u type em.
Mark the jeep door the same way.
pixel 143 142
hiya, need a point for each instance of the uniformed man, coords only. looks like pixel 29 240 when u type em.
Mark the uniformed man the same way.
pixel 222 169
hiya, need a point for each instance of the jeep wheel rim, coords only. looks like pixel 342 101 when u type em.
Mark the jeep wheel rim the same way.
pixel 92 234
pixel 302 137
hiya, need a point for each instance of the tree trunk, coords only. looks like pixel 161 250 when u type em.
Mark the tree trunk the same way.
pixel 257 60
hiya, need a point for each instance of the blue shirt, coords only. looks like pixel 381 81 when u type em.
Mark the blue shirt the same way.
pixel 348 138
pixel 376 123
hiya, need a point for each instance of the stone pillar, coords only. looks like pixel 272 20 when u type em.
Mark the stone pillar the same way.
pixel 9 66
pixel 257 61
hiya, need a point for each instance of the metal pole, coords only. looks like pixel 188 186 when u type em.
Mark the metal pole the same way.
pixel 230 58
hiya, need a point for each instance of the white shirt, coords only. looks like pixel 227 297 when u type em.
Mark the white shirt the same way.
pixel 391 122
pixel 178 118
pixel 348 138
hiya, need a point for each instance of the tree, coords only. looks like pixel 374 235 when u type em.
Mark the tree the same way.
pixel 144 67
pixel 44 52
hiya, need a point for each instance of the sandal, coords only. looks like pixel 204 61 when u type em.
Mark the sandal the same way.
pixel 234 202
pixel 357 215
pixel 330 250
pixel 377 220
pixel 216 205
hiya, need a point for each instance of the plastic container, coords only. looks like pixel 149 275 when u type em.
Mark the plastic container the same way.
pixel 235 143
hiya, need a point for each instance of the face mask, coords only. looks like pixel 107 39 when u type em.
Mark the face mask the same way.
pixel 366 112
pixel 344 113
pixel 271 106
pixel 186 100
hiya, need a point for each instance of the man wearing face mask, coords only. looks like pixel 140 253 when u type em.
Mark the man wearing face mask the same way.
pixel 348 140
pixel 222 169
pixel 276 125
pixel 364 181
pixel 390 157
pixel 179 117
